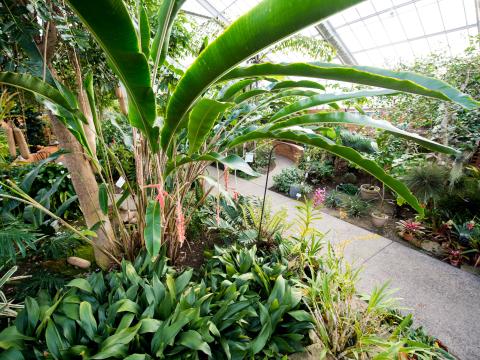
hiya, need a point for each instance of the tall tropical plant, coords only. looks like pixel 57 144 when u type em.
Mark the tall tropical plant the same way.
pixel 205 117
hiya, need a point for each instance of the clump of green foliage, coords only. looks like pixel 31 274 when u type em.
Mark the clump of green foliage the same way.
pixel 288 177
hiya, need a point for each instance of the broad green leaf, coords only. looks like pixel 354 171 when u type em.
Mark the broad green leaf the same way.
pixel 116 345
pixel 202 118
pixel 193 340
pixel 35 85
pixel 33 311
pixel 81 284
pixel 301 315
pixel 166 15
pixel 103 198
pixel 65 205
pixel 149 326
pixel 288 84
pixel 55 343
pixel 165 334
pixel 182 281
pixel 11 354
pixel 144 29
pixel 127 305
pixel 232 161
pixel 361 120
pixel 262 26
pixel 138 357
pixel 11 338
pixel 321 99
pixel 87 320
pixel 278 290
pixel 88 84
pixel 165 12
pixel 153 228
pixel 400 81
pixel 259 342
pixel 118 38
pixel 230 90
pixel 248 95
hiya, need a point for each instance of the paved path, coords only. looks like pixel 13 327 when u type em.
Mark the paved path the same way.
pixel 444 299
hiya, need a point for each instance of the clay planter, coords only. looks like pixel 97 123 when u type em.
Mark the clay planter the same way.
pixel 369 192
pixel 411 239
pixel 378 219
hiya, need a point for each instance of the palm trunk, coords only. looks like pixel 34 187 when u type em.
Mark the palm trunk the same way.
pixel 86 187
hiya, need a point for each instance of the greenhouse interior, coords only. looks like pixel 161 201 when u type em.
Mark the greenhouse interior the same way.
pixel 240 179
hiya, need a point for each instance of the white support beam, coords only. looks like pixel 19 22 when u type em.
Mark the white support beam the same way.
pixel 329 34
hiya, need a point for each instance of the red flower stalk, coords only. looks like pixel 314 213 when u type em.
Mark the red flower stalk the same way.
pixel 236 196
pixel 161 194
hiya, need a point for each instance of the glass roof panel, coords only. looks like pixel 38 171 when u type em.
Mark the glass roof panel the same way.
pixel 377 32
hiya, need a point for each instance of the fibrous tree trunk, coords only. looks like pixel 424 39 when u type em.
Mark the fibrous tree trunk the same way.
pixel 79 167
pixel 22 143
pixel 86 187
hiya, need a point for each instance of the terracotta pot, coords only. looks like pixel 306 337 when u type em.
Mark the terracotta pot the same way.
pixel 407 236
pixel 369 192
pixel 379 219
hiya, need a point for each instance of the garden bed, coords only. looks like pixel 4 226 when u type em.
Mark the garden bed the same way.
pixel 345 199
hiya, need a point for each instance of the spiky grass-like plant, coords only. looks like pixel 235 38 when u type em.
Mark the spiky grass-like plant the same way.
pixel 427 182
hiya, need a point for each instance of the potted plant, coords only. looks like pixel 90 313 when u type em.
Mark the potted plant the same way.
pixel 379 218
pixel 410 230
pixel 295 191
pixel 298 190
pixel 369 192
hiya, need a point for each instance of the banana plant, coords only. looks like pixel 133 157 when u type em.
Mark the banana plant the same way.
pixel 205 117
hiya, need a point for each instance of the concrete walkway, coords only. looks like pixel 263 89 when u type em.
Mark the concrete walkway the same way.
pixel 444 299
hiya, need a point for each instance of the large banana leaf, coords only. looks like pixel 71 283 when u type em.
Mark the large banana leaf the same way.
pixel 288 84
pixel 233 161
pixel 202 118
pixel 321 99
pixel 60 103
pixel 230 90
pixel 265 24
pixel 36 86
pixel 361 120
pixel 401 81
pixel 166 15
pixel 347 153
pixel 110 24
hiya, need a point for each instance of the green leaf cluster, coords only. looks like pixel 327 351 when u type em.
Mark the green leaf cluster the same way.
pixel 244 306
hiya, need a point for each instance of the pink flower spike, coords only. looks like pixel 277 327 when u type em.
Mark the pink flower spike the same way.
pixel 319 196
pixel 236 195
pixel 161 193
pixel 470 225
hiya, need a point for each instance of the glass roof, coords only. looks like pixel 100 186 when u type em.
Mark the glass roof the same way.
pixel 376 32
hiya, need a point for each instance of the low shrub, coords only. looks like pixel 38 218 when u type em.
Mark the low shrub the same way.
pixel 333 199
pixel 355 206
pixel 318 171
pixel 287 178
pixel 350 178
pixel 349 189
